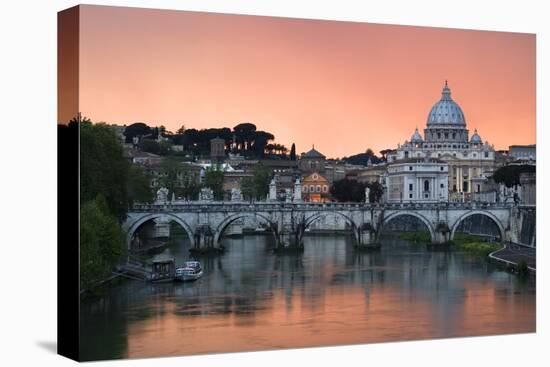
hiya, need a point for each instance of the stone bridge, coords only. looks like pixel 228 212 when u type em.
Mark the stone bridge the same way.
pixel 206 222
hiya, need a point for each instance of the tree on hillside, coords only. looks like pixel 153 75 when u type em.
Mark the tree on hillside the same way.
pixel 181 130
pixel 509 175
pixel 293 152
pixel 384 154
pixel 260 142
pixel 363 159
pixel 138 129
pixel 244 134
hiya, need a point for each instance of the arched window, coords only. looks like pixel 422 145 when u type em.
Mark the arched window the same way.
pixel 325 188
pixel 304 189
pixel 426 185
pixel 318 188
pixel 311 188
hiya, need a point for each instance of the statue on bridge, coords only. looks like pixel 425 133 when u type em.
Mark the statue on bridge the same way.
pixel 162 196
pixel 206 194
pixel 288 195
pixel 236 195
pixel 272 190
pixel 297 191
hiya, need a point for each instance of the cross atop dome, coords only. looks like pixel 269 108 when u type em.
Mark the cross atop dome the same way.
pixel 446 93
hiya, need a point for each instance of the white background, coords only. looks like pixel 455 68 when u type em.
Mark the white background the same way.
pixel 28 181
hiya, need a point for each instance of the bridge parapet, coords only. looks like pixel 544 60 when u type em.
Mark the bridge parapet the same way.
pixel 195 206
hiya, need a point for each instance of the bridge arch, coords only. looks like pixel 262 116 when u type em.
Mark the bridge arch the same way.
pixel 315 217
pixel 232 218
pixel 479 212
pixel 132 228
pixel 423 219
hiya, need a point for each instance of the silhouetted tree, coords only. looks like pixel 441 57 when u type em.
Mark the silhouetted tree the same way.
pixel 293 152
pixel 509 175
pixel 137 129
pixel 376 191
pixel 346 190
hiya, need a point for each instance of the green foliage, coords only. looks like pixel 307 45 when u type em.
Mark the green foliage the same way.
pixel 293 152
pixel 461 238
pixel 476 245
pixel 363 158
pixel 178 179
pixel 108 184
pixel 256 187
pixel 101 242
pixel 103 169
pixel 346 190
pixel 138 129
pixel 152 146
pixel 170 168
pixel 138 186
pixel 376 191
pixel 213 179
pixel 509 175
pixel 417 237
pixel 479 248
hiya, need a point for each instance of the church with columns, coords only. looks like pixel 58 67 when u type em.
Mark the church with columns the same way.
pixel 447 139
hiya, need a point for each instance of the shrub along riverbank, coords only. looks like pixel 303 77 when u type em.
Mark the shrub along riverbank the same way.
pixel 476 245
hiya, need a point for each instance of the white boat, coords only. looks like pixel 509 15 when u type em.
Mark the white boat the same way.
pixel 191 270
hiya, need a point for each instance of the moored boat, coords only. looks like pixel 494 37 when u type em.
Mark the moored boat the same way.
pixel 191 270
pixel 163 270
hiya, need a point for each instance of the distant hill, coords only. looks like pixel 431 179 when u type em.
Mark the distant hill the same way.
pixel 362 159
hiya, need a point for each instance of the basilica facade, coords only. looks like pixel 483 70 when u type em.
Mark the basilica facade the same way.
pixel 446 138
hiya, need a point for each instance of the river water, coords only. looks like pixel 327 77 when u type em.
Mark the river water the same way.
pixel 250 299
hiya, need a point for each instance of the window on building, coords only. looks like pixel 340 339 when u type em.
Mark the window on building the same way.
pixel 304 189
pixel 425 196
pixel 318 188
pixel 442 185
pixel 478 188
pixel 410 196
pixel 438 135
pixel 410 168
pixel 441 168
pixel 486 154
pixel 311 188
pixel 410 187
pixel 426 185
pixel 454 135
pixel 465 186
pixel 454 188
pixel 446 135
pixel 406 154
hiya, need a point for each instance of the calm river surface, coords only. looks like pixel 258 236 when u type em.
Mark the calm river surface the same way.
pixel 250 299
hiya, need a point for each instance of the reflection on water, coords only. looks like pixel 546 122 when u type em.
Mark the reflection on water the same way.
pixel 250 299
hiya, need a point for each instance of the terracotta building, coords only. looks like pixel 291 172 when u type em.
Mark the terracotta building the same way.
pixel 315 188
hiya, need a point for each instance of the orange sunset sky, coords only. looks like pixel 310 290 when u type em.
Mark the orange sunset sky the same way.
pixel 342 86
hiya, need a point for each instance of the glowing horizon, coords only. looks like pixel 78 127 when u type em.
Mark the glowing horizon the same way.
pixel 343 86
